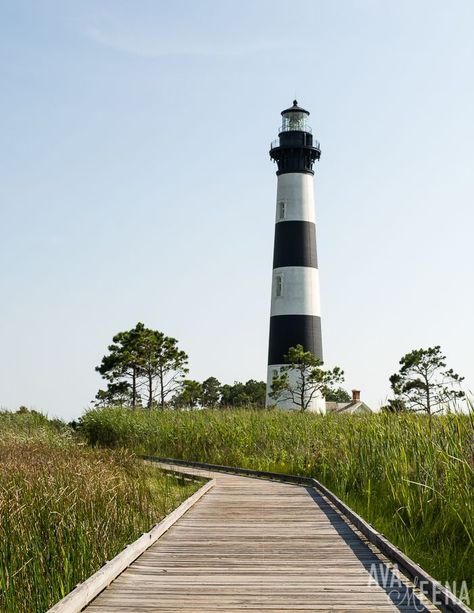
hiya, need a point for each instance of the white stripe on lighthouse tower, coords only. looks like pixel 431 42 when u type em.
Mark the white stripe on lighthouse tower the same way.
pixel 295 291
pixel 295 302
pixel 295 197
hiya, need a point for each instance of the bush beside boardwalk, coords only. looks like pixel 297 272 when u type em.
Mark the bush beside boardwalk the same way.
pixel 416 488
pixel 66 509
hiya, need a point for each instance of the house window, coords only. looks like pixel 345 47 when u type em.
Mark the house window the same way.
pixel 281 210
pixel 275 373
pixel 279 285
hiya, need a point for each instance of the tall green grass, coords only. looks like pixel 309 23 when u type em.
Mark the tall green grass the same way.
pixel 66 509
pixel 415 487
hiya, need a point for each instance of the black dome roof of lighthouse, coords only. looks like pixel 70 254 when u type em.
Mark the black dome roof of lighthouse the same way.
pixel 295 109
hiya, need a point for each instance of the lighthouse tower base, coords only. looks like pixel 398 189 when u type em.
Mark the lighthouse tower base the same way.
pixel 316 405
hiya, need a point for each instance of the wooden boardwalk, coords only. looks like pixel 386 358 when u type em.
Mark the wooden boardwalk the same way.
pixel 255 545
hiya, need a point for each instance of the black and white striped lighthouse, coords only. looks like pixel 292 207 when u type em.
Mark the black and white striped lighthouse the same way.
pixel 295 316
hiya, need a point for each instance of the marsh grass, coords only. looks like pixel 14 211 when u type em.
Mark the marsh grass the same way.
pixel 415 487
pixel 66 509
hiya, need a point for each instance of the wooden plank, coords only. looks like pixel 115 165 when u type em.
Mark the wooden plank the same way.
pixel 259 546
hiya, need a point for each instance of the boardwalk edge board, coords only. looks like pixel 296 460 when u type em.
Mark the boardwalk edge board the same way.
pixel 434 591
pixel 85 592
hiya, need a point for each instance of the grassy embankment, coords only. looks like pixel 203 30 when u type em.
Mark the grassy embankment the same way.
pixel 66 509
pixel 416 488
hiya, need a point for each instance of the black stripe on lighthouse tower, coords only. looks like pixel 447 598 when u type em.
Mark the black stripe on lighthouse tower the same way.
pixel 295 244
pixel 290 330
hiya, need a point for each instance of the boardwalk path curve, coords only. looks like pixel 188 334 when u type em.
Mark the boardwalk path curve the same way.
pixel 256 545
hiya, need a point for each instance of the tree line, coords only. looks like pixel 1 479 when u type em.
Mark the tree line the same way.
pixel 146 368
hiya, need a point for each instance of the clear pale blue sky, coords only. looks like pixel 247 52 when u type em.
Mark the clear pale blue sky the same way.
pixel 135 183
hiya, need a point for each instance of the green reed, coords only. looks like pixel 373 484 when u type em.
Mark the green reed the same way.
pixel 415 487
pixel 66 509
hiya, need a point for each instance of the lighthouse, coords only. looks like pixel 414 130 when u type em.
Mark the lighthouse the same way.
pixel 295 317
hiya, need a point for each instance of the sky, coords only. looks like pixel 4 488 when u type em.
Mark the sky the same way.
pixel 135 183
